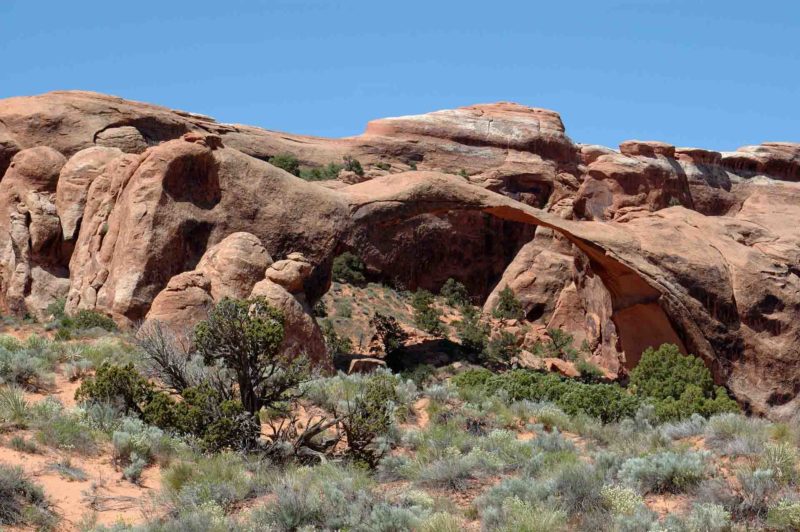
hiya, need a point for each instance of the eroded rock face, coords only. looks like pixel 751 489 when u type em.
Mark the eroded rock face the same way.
pixel 228 269
pixel 159 213
pixel 73 185
pixel 30 232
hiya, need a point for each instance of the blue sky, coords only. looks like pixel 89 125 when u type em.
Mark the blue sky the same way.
pixel 694 73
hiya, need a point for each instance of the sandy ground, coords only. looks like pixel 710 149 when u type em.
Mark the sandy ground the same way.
pixel 104 495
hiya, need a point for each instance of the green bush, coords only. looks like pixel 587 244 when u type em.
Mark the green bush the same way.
pixel 560 345
pixel 455 293
pixel 324 173
pixel 472 379
pixel 349 268
pixel 89 319
pixel 500 350
pixel 246 336
pixel 389 336
pixel 353 165
pixel 121 386
pixel 678 385
pixel 426 316
pixel 286 161
pixel 607 402
pixel 508 306
pixel 472 331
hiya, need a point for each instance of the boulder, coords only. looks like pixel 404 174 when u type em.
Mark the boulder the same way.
pixel 302 333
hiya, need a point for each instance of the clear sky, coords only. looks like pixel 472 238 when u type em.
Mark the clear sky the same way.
pixel 714 74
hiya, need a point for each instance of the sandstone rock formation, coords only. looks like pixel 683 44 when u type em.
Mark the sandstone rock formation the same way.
pixel 143 212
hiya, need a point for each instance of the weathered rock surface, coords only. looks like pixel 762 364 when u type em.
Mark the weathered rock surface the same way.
pixel 632 248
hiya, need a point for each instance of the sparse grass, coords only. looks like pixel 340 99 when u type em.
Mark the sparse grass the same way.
pixel 22 501
pixel 22 445
pixel 68 471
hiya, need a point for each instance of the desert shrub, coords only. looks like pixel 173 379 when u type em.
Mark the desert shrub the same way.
pixel 168 358
pixel 22 501
pixel 349 268
pixel 757 490
pixel 246 336
pixel 55 309
pixel 220 478
pixel 578 486
pixel 20 444
pixel 135 439
pixel 693 426
pixel 337 345
pixel 515 514
pixel 286 161
pixel 426 316
pixel 784 516
pixel 368 417
pixel 353 165
pixel 441 522
pixel 500 350
pixel 548 415
pixel 66 431
pixel 363 409
pixel 29 364
pixel 449 472
pixel 383 166
pixel 664 472
pixel 680 385
pixel 735 435
pixel 14 408
pixel 344 308
pixel 323 173
pixel 330 497
pixel 388 337
pixel 218 423
pixel 114 351
pixel 621 500
pixel 606 402
pixel 708 518
pixel 455 293
pixel 89 319
pixel 781 459
pixel 508 306
pixel 511 454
